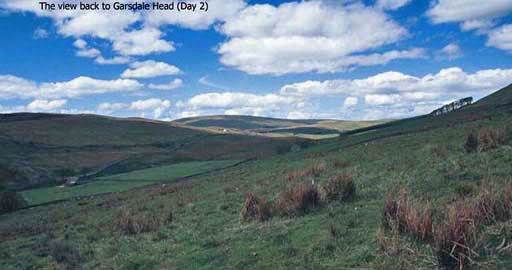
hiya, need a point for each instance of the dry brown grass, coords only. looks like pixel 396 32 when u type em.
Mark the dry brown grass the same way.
pixel 130 221
pixel 314 170
pixel 486 138
pixel 405 216
pixel 455 238
pixel 298 200
pixel 340 188
pixel 255 208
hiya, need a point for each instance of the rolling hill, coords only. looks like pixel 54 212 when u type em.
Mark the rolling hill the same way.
pixel 42 149
pixel 424 196
pixel 273 126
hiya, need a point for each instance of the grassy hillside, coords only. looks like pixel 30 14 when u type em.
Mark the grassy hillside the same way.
pixel 125 181
pixel 426 197
pixel 42 149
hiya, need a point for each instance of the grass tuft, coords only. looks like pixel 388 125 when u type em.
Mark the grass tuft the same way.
pixel 129 221
pixel 255 208
pixel 314 170
pixel 340 188
pixel 298 200
pixel 405 216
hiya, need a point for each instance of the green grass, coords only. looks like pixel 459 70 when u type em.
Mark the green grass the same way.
pixel 125 181
pixel 423 154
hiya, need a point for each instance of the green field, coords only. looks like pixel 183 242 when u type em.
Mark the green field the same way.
pixel 125 181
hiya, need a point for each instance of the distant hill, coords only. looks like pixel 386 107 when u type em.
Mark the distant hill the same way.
pixel 265 125
pixel 40 149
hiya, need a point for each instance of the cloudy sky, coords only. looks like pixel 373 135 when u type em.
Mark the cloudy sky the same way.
pixel 340 59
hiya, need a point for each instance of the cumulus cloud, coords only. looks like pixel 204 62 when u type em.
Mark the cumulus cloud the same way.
pixel 478 24
pixel 116 60
pixel 501 38
pixel 15 87
pixel 108 107
pixel 395 94
pixel 142 42
pixel 158 106
pixel 392 4
pixel 450 52
pixel 350 102
pixel 451 81
pixel 290 38
pixel 229 100
pixel 238 103
pixel 40 33
pixel 466 10
pixel 219 11
pixel 84 50
pixel 149 69
pixel 176 83
pixel 113 26
pixel 46 105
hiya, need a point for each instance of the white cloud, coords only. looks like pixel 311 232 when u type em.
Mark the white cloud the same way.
pixel 482 25
pixel 501 38
pixel 350 102
pixel 447 82
pixel 149 69
pixel 84 50
pixel 394 94
pixel 291 39
pixel 142 42
pixel 80 44
pixel 392 4
pixel 46 105
pixel 450 52
pixel 230 100
pixel 176 83
pixel 112 61
pixel 40 33
pixel 158 106
pixel 15 87
pixel 108 107
pixel 218 11
pixel 466 10
pixel 113 26
pixel 379 99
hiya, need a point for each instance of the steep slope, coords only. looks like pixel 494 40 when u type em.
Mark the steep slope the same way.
pixel 503 96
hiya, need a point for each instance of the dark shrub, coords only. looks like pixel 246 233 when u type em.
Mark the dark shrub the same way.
pixel 298 200
pixel 255 208
pixel 11 201
pixel 464 190
pixel 283 149
pixel 472 143
pixel 340 188
pixel 338 163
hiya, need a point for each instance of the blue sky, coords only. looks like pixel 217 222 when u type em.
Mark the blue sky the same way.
pixel 343 59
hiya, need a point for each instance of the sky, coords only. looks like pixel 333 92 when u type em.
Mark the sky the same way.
pixel 328 59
